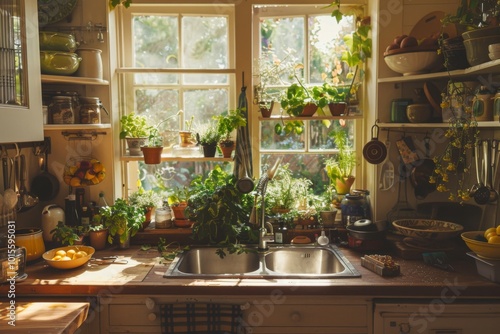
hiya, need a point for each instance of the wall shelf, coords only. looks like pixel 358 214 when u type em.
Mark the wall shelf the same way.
pixel 58 79
pixel 491 124
pixel 169 157
pixel 58 127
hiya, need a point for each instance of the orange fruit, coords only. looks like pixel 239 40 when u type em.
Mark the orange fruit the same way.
pixel 494 240
pixel 488 231
pixel 490 235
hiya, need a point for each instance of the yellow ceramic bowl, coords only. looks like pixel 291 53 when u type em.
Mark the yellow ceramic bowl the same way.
pixel 48 256
pixel 481 248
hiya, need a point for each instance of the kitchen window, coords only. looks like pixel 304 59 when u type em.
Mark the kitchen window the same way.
pixel 182 57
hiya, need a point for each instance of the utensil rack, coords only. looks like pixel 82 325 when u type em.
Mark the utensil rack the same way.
pixel 82 135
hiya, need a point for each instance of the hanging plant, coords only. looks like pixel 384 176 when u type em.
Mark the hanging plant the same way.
pixel 114 3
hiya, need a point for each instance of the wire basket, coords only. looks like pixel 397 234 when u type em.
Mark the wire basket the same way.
pixel 83 171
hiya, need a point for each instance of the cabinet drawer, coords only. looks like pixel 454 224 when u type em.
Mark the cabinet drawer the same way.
pixel 307 315
pixel 133 315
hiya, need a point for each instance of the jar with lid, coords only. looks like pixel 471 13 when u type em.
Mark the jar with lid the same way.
pixel 90 110
pixel 163 216
pixel 482 105
pixel 354 207
pixel 61 110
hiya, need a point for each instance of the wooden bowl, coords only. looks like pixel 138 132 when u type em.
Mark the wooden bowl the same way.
pixel 427 229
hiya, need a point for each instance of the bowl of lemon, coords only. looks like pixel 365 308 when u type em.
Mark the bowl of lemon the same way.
pixel 68 257
pixel 486 244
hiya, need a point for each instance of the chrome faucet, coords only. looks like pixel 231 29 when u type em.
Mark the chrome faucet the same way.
pixel 264 237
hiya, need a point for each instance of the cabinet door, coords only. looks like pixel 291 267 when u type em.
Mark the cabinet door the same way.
pixel 20 86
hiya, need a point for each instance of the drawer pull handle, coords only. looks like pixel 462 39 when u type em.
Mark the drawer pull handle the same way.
pixel 296 317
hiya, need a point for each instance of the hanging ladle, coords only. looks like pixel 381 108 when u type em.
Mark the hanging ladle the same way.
pixel 26 199
pixel 492 156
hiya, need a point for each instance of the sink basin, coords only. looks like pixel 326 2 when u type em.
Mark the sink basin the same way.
pixel 304 261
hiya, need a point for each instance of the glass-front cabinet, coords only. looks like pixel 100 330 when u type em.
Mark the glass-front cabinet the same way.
pixel 20 87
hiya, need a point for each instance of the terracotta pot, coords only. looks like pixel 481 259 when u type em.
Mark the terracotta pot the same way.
pixel 337 108
pixel 179 211
pixel 343 186
pixel 148 211
pixel 309 110
pixel 98 239
pixel 152 155
pixel 227 148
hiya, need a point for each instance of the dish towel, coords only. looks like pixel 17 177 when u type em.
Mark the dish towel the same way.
pixel 201 318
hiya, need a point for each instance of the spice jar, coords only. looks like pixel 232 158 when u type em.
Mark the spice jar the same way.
pixel 61 110
pixel 90 110
pixel 163 216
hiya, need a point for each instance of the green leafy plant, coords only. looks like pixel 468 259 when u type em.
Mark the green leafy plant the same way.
pixel 145 198
pixel 220 212
pixel 65 235
pixel 207 134
pixel 114 3
pixel 327 93
pixel 474 14
pixel 344 162
pixel 122 219
pixel 134 126
pixel 96 228
pixel 228 122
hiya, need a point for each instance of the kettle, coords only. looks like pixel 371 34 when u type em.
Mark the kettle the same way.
pixel 51 215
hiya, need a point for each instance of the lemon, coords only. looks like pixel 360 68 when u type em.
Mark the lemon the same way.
pixel 78 255
pixel 61 253
pixel 491 234
pixel 498 229
pixel 491 229
pixel 71 253
pixel 57 258
pixel 84 253
pixel 66 258
pixel 494 240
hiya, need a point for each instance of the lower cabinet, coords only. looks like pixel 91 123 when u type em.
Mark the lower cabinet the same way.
pixel 275 313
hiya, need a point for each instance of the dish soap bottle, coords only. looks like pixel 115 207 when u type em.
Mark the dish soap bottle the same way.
pixel 323 239
pixel 281 233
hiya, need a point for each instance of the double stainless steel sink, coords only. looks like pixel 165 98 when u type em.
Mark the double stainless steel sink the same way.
pixel 287 261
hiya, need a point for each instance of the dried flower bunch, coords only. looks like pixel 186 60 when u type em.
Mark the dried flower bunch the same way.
pixel 454 164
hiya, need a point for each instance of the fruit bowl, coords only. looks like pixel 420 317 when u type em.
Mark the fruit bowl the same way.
pixel 73 261
pixel 483 249
pixel 80 172
pixel 411 61
pixel 427 229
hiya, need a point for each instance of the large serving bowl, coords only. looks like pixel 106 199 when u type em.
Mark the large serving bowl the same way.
pixel 427 229
pixel 482 249
pixel 413 61
pixel 48 256
pixel 476 49
pixel 56 41
pixel 59 63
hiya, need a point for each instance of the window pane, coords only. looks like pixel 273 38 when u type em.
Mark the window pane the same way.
pixel 156 41
pixel 271 141
pixel 156 79
pixel 205 103
pixel 207 47
pixel 205 79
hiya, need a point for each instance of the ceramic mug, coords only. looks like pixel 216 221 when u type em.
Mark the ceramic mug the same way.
pixel 496 107
pixel 91 64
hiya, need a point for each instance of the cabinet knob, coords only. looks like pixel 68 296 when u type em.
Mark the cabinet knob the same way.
pixel 151 316
pixel 296 316
pixel 150 303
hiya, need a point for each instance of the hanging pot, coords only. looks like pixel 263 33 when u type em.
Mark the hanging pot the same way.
pixel 375 151
pixel 45 185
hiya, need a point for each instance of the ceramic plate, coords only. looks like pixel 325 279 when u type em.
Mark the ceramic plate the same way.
pixel 51 11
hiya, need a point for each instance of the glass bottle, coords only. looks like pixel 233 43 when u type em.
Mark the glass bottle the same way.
pixel 71 213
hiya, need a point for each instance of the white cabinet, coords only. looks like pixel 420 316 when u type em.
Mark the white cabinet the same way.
pixel 20 93
pixel 274 313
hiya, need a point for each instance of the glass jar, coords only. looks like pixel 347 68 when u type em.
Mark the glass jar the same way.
pixel 163 217
pixel 353 207
pixel 61 110
pixel 90 110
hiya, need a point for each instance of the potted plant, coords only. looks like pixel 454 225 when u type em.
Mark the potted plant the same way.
pixel 153 147
pixel 186 135
pixel 178 201
pixel 208 137
pixel 98 236
pixel 123 221
pixel 67 235
pixel 147 200
pixel 339 169
pixel 226 124
pixel 333 97
pixel 135 130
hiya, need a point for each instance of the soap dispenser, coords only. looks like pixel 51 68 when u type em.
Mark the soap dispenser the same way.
pixel 323 239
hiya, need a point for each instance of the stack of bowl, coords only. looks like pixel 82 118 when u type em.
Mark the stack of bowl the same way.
pixel 477 42
pixel 57 53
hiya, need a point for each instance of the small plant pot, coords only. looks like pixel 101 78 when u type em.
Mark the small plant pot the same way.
pixel 152 155
pixel 227 148
pixel 148 212
pixel 343 186
pixel 186 139
pixel 98 239
pixel 134 145
pixel 309 110
pixel 209 150
pixel 178 211
pixel 337 108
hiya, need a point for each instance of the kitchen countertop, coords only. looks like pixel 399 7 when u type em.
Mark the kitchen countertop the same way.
pixel 143 274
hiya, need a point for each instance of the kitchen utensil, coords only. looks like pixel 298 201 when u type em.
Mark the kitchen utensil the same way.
pixel 427 229
pixel 108 260
pixel 402 208
pixel 492 163
pixel 27 199
pixel 32 240
pixel 374 151
pixel 45 185
pixel 386 177
pixel 421 173
pixel 9 195
pixel 481 193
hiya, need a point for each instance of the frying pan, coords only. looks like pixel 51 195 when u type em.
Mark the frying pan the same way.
pixel 45 185
pixel 374 151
